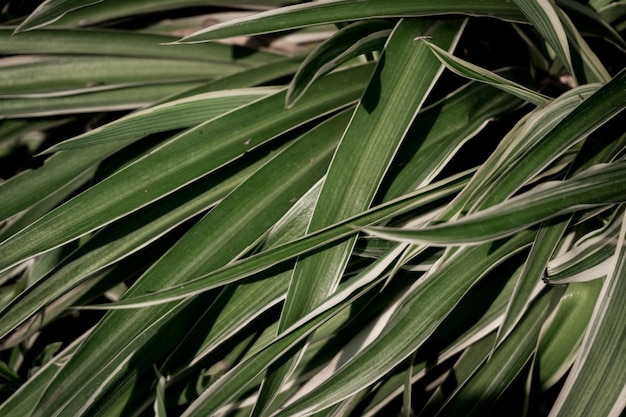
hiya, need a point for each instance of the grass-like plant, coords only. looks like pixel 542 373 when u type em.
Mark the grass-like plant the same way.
pixel 331 208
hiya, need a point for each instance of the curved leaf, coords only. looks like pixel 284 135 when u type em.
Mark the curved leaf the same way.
pixel 333 11
pixel 599 185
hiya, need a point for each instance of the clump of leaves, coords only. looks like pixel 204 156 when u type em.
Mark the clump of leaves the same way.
pixel 327 208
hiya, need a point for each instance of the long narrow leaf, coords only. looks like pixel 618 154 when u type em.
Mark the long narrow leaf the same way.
pixel 332 11
pixel 182 159
pixel 597 381
pixel 600 185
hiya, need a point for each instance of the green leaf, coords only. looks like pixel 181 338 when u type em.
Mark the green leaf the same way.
pixel 563 332
pixel 266 259
pixel 349 42
pixel 111 10
pixel 234 381
pixel 545 19
pixel 118 241
pixel 599 185
pixel 590 257
pixel 51 10
pixel 212 243
pixel 180 160
pixel 478 394
pixel 174 114
pixel 364 154
pixel 123 98
pixel 544 247
pixel 333 11
pixel 587 66
pixel 477 73
pixel 118 43
pixel 44 76
pixel 414 319
pixel 596 383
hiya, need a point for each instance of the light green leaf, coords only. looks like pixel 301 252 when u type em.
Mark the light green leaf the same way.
pixel 477 395
pixel 118 43
pixel 118 99
pixel 44 76
pixel 563 332
pixel 597 381
pixel 590 257
pixel 599 185
pixel 50 11
pixel 180 160
pixel 474 72
pixel 542 14
pixel 159 403
pixel 333 11
pixel 175 114
pixel 414 319
pixel 349 42
pixel 111 10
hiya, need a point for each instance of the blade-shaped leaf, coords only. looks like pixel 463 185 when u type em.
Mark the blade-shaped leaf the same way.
pixel 414 319
pixel 478 394
pixel 477 73
pixel 599 185
pixel 597 381
pixel 353 40
pixel 563 332
pixel 543 248
pixel 362 158
pixel 333 11
pixel 176 114
pixel 50 11
pixel 116 43
pixel 545 19
pixel 266 259
pixel 212 243
pixel 180 160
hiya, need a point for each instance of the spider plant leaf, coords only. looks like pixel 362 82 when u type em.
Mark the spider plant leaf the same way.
pixel 51 10
pixel 563 332
pixel 175 114
pixel 111 10
pixel 232 382
pixel 545 19
pixel 478 394
pixel 182 159
pixel 118 241
pixel 351 41
pixel 302 165
pixel 599 185
pixel 331 11
pixel 414 319
pixel 120 43
pixel 551 142
pixel 350 188
pixel 596 382
pixel 474 72
pixel 589 258
pixel 117 99
pixel 587 66
pixel 45 76
pixel 542 250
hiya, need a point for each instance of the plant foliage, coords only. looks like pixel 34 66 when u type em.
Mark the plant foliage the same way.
pixel 330 208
